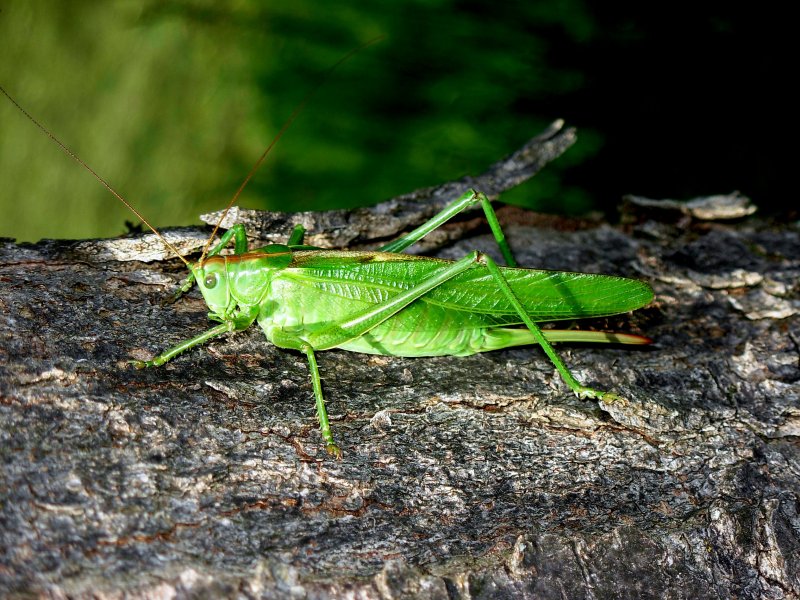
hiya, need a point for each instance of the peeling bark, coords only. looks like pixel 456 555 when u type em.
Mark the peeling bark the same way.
pixel 468 477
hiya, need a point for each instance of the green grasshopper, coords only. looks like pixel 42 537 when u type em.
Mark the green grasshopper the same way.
pixel 386 302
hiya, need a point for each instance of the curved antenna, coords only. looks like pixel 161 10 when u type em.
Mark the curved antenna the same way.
pixel 78 160
pixel 298 109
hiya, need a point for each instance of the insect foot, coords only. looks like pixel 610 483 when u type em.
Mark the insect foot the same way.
pixel 584 392
pixel 334 451
pixel 144 364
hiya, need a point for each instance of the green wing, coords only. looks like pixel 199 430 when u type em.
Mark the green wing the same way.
pixel 546 295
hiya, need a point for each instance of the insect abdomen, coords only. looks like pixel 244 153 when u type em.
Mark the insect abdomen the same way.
pixel 410 333
pixel 420 329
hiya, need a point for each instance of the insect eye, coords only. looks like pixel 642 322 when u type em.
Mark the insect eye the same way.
pixel 211 281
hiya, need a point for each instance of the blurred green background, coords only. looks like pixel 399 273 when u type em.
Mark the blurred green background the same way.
pixel 172 102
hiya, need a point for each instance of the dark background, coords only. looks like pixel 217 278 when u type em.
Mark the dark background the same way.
pixel 172 102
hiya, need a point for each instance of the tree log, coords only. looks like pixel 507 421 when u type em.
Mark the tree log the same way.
pixel 477 477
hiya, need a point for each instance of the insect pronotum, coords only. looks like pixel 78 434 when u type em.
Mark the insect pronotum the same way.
pixel 386 302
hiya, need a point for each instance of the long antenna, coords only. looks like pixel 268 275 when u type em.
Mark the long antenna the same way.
pixel 78 160
pixel 298 109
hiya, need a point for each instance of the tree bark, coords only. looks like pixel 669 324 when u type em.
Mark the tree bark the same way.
pixel 477 477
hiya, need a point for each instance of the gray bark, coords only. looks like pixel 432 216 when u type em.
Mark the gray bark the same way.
pixel 476 477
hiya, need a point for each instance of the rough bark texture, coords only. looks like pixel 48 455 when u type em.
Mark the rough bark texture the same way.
pixel 477 477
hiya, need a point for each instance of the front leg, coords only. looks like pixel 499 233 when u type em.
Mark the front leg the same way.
pixel 240 321
pixel 185 345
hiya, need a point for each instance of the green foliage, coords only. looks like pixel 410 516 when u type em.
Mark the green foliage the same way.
pixel 172 102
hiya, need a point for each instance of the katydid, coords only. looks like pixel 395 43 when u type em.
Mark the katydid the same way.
pixel 386 302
